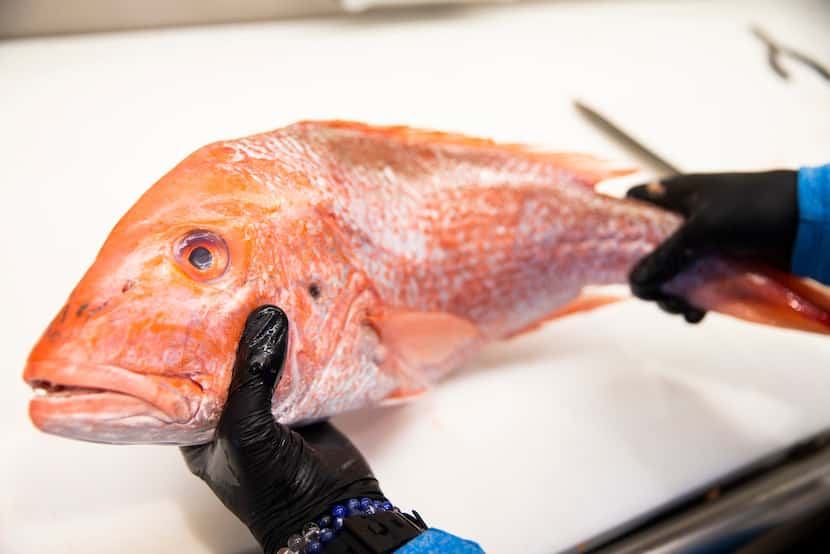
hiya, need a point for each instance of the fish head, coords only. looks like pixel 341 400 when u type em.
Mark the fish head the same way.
pixel 143 349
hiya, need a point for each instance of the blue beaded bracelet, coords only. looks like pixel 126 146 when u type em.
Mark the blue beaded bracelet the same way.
pixel 315 535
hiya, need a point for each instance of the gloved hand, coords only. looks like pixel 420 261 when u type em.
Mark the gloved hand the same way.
pixel 736 214
pixel 273 478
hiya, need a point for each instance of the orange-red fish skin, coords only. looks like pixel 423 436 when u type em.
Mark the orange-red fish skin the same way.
pixel 395 252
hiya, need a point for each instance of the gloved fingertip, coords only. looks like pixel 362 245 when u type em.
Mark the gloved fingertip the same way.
pixel 262 349
pixel 639 274
pixel 641 281
pixel 264 342
pixel 647 192
pixel 261 323
pixel 672 306
pixel 638 193
pixel 693 315
pixel 260 357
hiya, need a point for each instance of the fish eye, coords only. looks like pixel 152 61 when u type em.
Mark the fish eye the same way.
pixel 202 255
pixel 200 258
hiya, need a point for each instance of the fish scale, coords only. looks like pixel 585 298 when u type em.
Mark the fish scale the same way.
pixel 396 253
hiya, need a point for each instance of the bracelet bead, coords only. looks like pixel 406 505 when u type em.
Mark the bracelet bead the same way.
pixel 337 524
pixel 311 532
pixel 315 535
pixel 296 543
pixel 326 535
pixel 338 511
pixel 324 522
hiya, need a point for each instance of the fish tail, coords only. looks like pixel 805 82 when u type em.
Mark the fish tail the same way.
pixel 756 293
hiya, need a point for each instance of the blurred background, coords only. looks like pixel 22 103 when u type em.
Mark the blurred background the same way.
pixel 44 17
pixel 564 434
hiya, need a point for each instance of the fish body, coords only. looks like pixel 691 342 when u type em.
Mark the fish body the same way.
pixel 396 253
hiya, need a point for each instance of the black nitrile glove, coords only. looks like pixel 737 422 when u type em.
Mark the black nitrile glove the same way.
pixel 751 215
pixel 273 478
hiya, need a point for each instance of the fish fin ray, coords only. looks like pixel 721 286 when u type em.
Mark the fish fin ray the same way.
pixel 403 395
pixel 583 303
pixel 810 290
pixel 754 292
pixel 590 169
pixel 429 342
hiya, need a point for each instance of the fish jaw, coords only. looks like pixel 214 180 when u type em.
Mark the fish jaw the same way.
pixel 133 372
pixel 132 408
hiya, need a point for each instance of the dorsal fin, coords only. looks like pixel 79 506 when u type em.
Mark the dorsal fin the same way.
pixel 590 169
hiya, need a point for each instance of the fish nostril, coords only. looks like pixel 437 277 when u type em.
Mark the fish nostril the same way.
pixel 127 286
pixel 81 309
pixel 314 290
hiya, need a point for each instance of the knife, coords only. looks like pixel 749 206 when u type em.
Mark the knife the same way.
pixel 626 140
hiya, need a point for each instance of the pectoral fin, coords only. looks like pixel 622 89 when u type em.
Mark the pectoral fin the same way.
pixel 426 341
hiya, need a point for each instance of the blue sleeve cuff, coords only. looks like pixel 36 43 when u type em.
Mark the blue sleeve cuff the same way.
pixel 811 252
pixel 435 540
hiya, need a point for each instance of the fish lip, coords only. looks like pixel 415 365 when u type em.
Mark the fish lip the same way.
pixel 175 399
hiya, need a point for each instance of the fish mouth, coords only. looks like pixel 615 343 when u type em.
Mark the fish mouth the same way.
pixel 106 403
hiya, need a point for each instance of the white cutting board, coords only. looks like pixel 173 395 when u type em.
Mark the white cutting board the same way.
pixel 540 442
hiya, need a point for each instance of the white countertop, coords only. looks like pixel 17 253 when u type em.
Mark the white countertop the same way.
pixel 540 442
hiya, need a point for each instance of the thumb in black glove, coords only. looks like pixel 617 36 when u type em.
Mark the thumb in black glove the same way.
pixel 736 214
pixel 273 478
